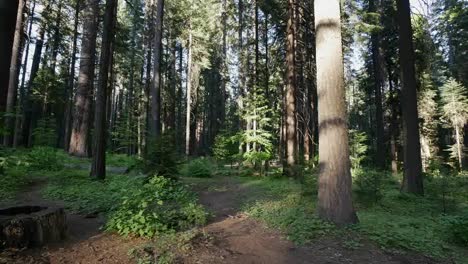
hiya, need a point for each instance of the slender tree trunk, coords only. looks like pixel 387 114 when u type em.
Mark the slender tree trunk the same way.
pixel 20 107
pixel 458 139
pixel 291 137
pixel 8 11
pixel 394 128
pixel 413 181
pixel 155 126
pixel 189 95
pixel 334 196
pixel 13 77
pixel 71 80
pixel 378 85
pixel 98 169
pixel 82 110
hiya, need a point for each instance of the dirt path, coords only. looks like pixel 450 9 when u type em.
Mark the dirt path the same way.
pixel 86 242
pixel 236 238
pixel 230 237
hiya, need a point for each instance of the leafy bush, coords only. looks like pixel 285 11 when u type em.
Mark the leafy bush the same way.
pixel 83 195
pixel 43 158
pixel 358 148
pixel 161 158
pixel 459 229
pixel 199 168
pixel 45 134
pixel 369 184
pixel 162 205
pixel 226 147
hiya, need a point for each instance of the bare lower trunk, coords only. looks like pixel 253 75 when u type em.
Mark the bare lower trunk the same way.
pixel 334 196
pixel 291 138
pixel 155 126
pixel 413 181
pixel 459 142
pixel 189 96
pixel 82 110
pixel 13 77
pixel 98 169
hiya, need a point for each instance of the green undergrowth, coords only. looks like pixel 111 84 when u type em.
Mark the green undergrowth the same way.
pixel 83 195
pixel 435 225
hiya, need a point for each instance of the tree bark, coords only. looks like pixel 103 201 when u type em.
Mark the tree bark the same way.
pixel 82 106
pixel 155 126
pixel 334 195
pixel 71 80
pixel 189 96
pixel 412 181
pixel 291 137
pixel 8 11
pixel 13 77
pixel 98 169
pixel 378 85
pixel 20 108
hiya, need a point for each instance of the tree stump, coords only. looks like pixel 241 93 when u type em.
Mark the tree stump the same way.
pixel 31 226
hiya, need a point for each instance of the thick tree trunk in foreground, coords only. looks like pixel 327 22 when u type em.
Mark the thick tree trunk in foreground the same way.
pixel 334 195
pixel 98 169
pixel 412 181
pixel 291 138
pixel 13 76
pixel 81 114
pixel 155 93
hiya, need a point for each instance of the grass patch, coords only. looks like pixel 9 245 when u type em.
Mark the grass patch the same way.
pixel 396 221
pixel 81 194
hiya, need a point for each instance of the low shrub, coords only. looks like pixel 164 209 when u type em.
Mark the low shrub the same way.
pixel 199 168
pixel 459 228
pixel 43 158
pixel 161 157
pixel 162 205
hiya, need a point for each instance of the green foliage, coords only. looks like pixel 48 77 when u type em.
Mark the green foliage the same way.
pixel 284 206
pixel 225 148
pixel 358 148
pixel 199 168
pixel 459 228
pixel 455 113
pixel 83 195
pixel 369 184
pixel 161 158
pixel 45 134
pixel 161 205
pixel 12 174
pixel 43 158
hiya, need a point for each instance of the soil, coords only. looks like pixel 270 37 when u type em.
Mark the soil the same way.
pixel 86 242
pixel 230 237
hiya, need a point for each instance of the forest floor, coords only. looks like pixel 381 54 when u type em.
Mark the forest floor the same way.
pixel 230 237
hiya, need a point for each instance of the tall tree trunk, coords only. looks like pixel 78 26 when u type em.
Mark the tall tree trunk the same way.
pixel 334 195
pixel 412 181
pixel 155 126
pixel 291 137
pixel 8 11
pixel 20 108
pixel 378 85
pixel 189 95
pixel 82 110
pixel 98 169
pixel 71 80
pixel 13 77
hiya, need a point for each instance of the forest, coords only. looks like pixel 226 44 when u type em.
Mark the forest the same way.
pixel 234 131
